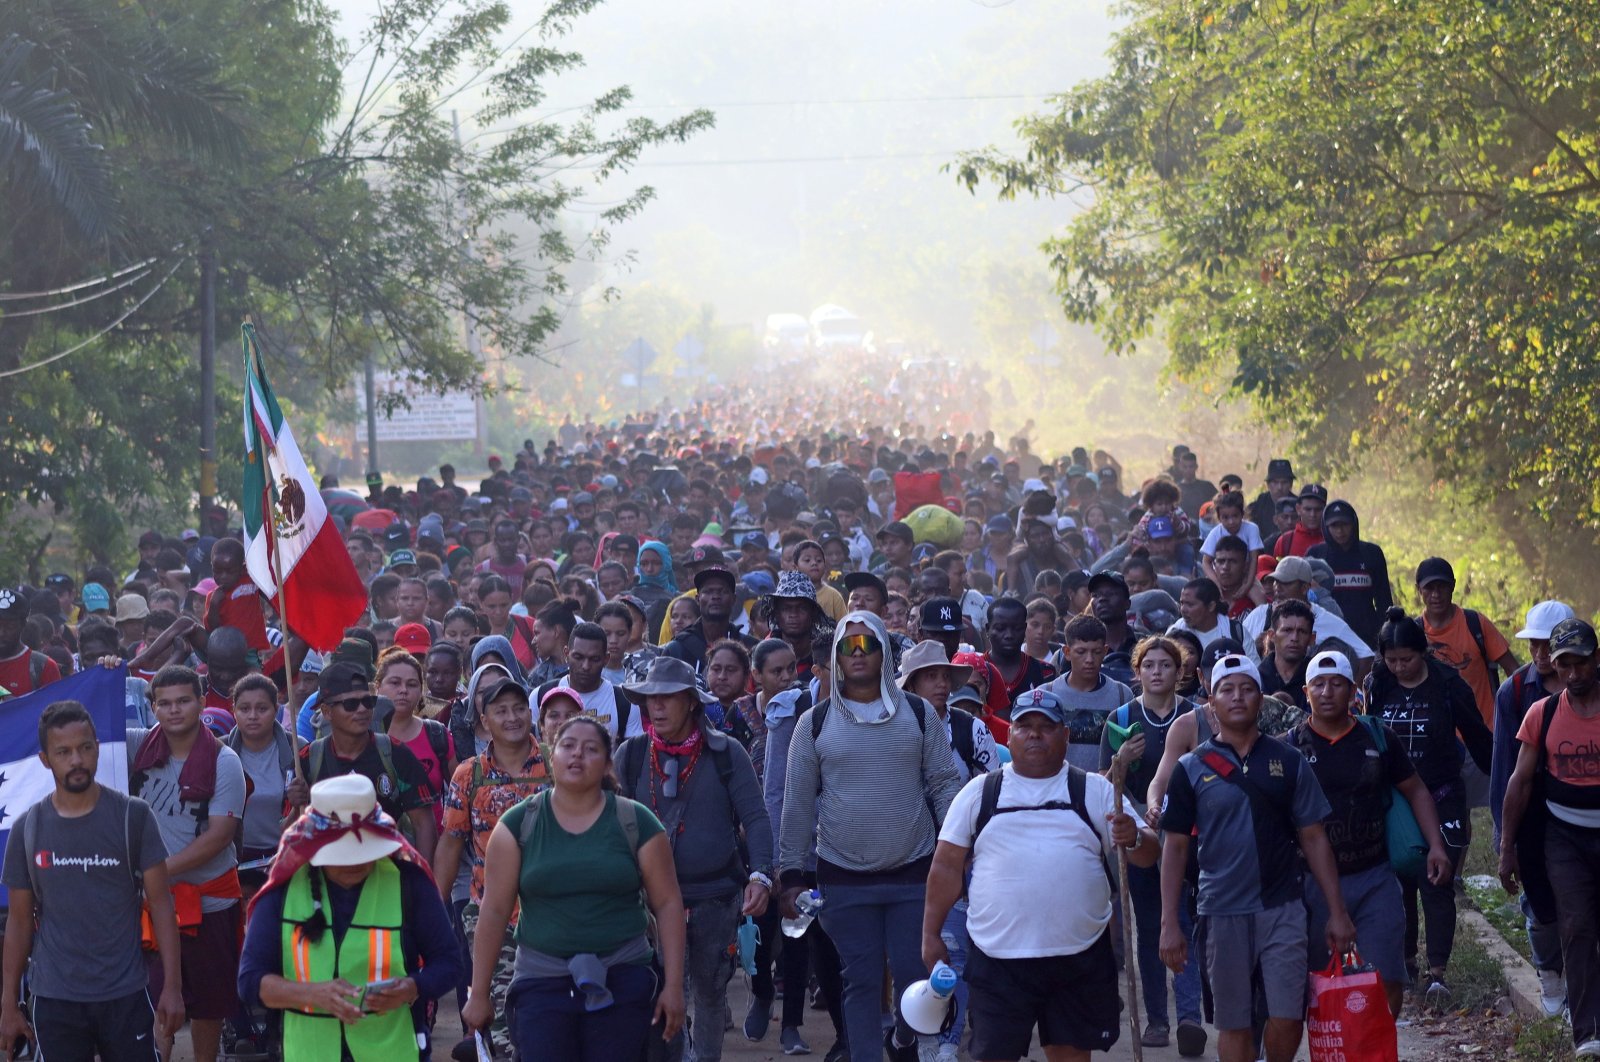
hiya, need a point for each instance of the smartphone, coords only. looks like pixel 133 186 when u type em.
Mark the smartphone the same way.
pixel 376 986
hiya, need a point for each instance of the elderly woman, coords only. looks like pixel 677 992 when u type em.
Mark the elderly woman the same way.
pixel 359 995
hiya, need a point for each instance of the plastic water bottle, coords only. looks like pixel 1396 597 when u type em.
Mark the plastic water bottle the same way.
pixel 807 904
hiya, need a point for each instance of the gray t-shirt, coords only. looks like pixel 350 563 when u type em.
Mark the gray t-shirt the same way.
pixel 1086 717
pixel 263 809
pixel 82 865
pixel 178 820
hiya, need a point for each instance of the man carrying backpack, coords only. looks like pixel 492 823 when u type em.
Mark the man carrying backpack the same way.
pixel 1038 832
pixel 85 848
pixel 700 783
pixel 1363 769
pixel 345 697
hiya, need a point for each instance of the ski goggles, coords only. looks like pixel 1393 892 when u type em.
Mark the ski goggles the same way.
pixel 859 645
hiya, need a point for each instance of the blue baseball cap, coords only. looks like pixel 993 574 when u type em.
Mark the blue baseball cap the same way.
pixel 1038 700
pixel 998 525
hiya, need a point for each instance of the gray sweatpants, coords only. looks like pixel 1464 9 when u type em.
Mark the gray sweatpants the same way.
pixel 708 967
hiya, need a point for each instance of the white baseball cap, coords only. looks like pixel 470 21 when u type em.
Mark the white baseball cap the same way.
pixel 1330 662
pixel 1234 664
pixel 1542 619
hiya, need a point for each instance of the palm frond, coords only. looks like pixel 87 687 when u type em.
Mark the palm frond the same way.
pixel 47 150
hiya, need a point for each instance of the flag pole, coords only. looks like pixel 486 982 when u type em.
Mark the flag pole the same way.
pixel 282 603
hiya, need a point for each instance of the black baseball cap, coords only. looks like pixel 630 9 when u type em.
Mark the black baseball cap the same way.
pixel 340 678
pixel 1572 637
pixel 1280 468
pixel 707 555
pixel 1115 578
pixel 856 580
pixel 1434 570
pixel 1314 492
pixel 899 529
pixel 705 575
pixel 941 614
pixel 1216 650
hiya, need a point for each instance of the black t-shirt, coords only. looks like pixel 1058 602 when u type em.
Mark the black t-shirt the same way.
pixel 412 791
pixel 1155 742
pixel 1357 780
pixel 1272 682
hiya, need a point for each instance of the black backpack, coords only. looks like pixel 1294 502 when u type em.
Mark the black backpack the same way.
pixel 1077 789
pixel 961 727
pixel 819 714
pixel 624 706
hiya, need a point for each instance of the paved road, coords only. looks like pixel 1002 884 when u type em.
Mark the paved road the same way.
pixel 818 1032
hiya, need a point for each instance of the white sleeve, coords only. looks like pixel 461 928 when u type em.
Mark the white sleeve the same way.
pixel 1251 535
pixel 962 817
pixel 984 749
pixel 1328 625
pixel 1209 546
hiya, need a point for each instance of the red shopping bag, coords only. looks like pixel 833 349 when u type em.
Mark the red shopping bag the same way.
pixel 1349 1019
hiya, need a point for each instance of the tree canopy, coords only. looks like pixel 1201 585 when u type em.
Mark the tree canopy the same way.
pixel 1377 218
pixel 344 209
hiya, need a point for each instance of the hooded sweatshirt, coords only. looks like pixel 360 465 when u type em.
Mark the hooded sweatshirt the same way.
pixel 872 787
pixel 1360 574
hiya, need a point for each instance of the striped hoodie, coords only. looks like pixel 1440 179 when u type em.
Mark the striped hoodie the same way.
pixel 870 790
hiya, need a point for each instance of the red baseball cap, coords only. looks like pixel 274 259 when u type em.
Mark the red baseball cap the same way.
pixel 413 638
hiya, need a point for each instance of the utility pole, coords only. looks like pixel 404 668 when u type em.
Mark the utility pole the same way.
pixel 208 377
pixel 370 371
pixel 480 443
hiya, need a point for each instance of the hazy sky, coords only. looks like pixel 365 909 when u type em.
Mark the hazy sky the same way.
pixel 774 208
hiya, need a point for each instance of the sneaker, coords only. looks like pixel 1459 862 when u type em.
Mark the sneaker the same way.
pixel 839 1052
pixel 898 1052
pixel 1552 992
pixel 1438 996
pixel 757 1018
pixel 1156 1036
pixel 1588 1049
pixel 465 1050
pixel 1191 1039
pixel 792 1042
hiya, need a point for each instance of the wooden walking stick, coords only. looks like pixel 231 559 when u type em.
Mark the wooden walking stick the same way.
pixel 1119 771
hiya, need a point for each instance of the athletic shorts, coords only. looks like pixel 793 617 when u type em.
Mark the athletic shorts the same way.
pixel 1073 999
pixel 1374 901
pixel 210 964
pixel 1273 941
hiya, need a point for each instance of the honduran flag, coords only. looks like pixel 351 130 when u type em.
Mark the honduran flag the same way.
pixel 24 780
pixel 292 550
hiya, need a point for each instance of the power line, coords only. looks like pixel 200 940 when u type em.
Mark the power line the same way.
pixel 808 159
pixel 114 324
pixel 17 296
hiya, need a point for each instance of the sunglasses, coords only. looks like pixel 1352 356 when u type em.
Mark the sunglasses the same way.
pixel 859 645
pixel 355 704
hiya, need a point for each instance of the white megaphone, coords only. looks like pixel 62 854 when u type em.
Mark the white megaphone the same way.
pixel 926 1003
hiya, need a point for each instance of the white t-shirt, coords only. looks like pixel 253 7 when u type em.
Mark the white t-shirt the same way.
pixel 1038 886
pixel 1248 531
pixel 1222 629
pixel 603 703
pixel 1324 625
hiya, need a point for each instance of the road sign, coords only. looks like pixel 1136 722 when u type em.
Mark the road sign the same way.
pixel 430 416
pixel 689 349
pixel 639 354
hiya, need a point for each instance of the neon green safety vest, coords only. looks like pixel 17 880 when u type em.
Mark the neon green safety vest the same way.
pixel 370 951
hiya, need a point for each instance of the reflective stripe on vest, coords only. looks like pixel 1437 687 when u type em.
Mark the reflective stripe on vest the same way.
pixel 370 951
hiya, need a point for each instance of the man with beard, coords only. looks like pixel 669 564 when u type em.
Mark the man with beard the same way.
pixel 80 847
pixel 714 589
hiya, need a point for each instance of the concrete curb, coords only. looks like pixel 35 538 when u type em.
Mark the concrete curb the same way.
pixel 1522 981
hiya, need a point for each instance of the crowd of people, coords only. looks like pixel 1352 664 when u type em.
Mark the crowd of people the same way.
pixel 735 686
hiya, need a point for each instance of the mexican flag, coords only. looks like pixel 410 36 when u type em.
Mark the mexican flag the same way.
pixel 292 550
